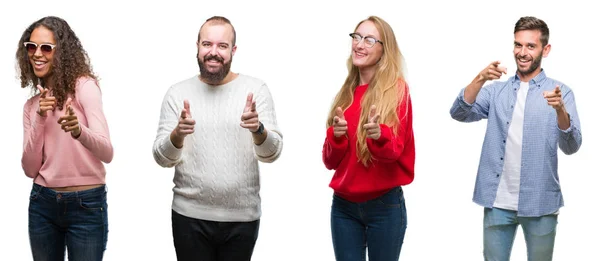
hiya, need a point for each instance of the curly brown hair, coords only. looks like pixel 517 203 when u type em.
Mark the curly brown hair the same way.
pixel 70 60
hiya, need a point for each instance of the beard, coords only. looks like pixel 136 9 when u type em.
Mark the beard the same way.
pixel 536 62
pixel 213 78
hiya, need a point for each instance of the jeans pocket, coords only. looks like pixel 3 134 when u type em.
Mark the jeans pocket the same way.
pixel 93 204
pixel 35 192
pixel 391 199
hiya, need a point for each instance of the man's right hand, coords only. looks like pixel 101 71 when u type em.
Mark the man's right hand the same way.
pixel 340 126
pixel 184 127
pixel 47 103
pixel 492 72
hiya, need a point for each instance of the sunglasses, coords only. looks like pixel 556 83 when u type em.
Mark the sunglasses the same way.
pixel 32 47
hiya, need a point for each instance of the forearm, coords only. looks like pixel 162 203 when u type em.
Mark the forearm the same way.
pixel 334 149
pixel 33 145
pixel 97 142
pixel 271 146
pixel 473 89
pixel 388 147
pixel 562 117
pixel 165 153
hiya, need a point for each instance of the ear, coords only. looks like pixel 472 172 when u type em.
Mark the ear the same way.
pixel 233 49
pixel 546 50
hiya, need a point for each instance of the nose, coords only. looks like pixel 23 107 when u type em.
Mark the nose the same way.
pixel 213 50
pixel 522 51
pixel 38 52
pixel 361 43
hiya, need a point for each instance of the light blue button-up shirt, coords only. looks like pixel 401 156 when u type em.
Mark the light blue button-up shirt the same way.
pixel 540 192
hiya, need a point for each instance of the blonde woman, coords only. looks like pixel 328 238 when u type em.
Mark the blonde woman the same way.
pixel 370 145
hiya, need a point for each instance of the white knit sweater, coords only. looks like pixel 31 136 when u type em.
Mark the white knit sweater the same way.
pixel 216 171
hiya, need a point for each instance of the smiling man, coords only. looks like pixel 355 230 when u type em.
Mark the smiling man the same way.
pixel 529 117
pixel 214 128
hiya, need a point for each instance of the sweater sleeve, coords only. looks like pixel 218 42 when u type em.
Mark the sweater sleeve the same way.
pixel 33 140
pixel 271 148
pixel 95 136
pixel 164 152
pixel 334 149
pixel 389 147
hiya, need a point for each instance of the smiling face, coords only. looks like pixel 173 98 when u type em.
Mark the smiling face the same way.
pixel 528 51
pixel 41 59
pixel 363 56
pixel 215 51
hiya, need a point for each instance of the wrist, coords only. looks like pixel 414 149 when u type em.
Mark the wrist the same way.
pixel 76 134
pixel 260 130
pixel 176 140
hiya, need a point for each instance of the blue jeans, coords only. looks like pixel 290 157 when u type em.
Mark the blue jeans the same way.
pixel 378 224
pixel 499 229
pixel 75 220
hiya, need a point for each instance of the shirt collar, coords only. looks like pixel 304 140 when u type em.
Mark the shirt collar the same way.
pixel 537 80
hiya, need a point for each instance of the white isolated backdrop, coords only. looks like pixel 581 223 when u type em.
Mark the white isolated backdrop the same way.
pixel 140 48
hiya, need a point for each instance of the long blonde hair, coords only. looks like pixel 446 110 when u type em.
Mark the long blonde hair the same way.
pixel 386 90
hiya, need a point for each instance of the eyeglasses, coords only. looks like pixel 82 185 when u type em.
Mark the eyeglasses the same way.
pixel 32 47
pixel 369 41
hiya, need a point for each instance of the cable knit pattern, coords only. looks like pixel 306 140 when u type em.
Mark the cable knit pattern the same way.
pixel 216 171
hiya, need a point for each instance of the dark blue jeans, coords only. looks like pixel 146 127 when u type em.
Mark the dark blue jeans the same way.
pixel 75 220
pixel 377 225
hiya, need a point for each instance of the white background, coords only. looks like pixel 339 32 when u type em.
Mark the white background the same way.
pixel 140 48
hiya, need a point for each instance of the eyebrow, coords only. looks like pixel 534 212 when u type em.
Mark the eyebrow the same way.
pixel 529 44
pixel 207 41
pixel 368 35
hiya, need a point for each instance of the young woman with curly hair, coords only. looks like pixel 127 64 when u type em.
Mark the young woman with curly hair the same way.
pixel 370 144
pixel 65 143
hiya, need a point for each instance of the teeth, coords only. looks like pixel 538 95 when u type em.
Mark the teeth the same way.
pixel 39 63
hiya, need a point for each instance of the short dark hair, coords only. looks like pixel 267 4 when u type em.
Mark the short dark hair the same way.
pixel 219 20
pixel 532 23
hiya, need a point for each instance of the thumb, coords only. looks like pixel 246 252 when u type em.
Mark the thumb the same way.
pixel 186 107
pixel 339 113
pixel 557 89
pixel 372 113
pixel 42 91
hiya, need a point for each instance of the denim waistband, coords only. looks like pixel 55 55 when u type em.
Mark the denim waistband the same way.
pixel 70 194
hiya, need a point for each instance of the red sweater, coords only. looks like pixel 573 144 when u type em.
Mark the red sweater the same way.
pixel 393 156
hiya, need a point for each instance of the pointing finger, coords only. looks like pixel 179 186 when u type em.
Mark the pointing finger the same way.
pixel 186 107
pixel 502 69
pixel 249 101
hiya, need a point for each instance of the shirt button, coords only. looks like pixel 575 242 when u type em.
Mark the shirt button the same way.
pixel 503 141
pixel 501 158
pixel 58 196
pixel 507 122
pixel 497 175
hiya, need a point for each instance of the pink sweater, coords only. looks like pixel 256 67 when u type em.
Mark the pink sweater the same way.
pixel 55 159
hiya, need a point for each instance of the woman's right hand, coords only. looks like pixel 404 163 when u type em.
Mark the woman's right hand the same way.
pixel 47 103
pixel 340 126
